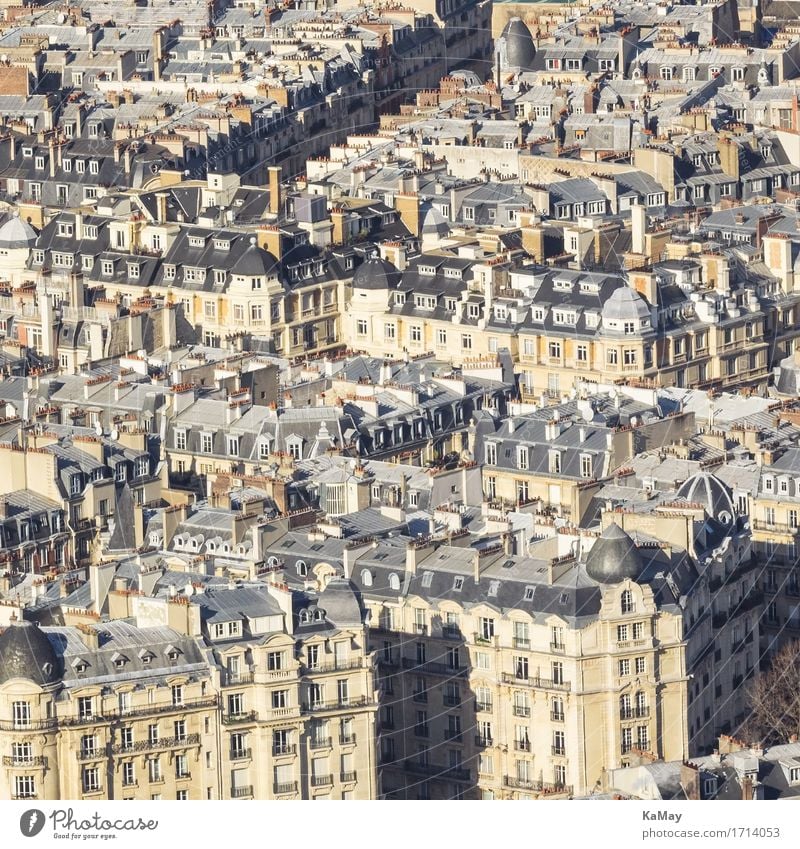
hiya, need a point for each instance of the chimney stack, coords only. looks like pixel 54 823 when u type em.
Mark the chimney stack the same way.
pixel 275 189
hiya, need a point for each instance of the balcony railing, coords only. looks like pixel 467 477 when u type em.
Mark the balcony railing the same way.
pixel 634 712
pixel 284 787
pixel 241 792
pixel 130 713
pixel 558 750
pixel 521 643
pixel 451 700
pixel 320 743
pixel 556 716
pixel 432 668
pixel 484 742
pixel 333 666
pixel 481 639
pixel 558 647
pixel 539 683
pixel 361 701
pixel 347 777
pixel 521 710
pixel 452 735
pixel 452 632
pixel 420 696
pixel 321 780
pixel 483 707
pixel 153 745
pixel 234 718
pixel 241 754
pixel 453 773
pixel 522 745
pixel 536 786
pixel 232 679
pixel 421 731
pixel 283 749
pixel 347 739
pixel 34 762
pixel 39 725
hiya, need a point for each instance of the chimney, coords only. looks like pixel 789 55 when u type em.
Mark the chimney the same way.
pixel 271 239
pixel 274 189
pixel 690 781
pixel 407 205
pixel 157 50
pixel 127 156
pixel 161 207
pixel 51 146
pixel 3 508
pixel 338 215
pixel 638 228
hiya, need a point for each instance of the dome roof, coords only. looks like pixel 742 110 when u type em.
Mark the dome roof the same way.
pixel 708 490
pixel 520 49
pixel 614 557
pixel 255 262
pixel 376 273
pixel 16 233
pixel 625 304
pixel 25 652
pixel 340 603
pixel 434 223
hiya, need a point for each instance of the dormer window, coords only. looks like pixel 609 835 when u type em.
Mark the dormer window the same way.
pixel 39 162
pixel 65 229
pixel 27 152
pixel 196 242
pixel 94 166
pixel 121 472
pixel 75 485
pixel 80 165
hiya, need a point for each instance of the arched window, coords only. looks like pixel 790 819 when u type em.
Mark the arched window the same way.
pixel 319 615
pixel 626 602
pixel 301 567
pixel 366 577
pixel 272 561
pixel 305 616
pixel 394 582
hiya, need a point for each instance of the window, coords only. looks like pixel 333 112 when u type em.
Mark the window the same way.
pixel 624 667
pixel 21 713
pixel 361 327
pixel 586 465
pixel 85 707
pixel 206 443
pixel 128 773
pixel 522 458
pixel 177 695
pixel 154 769
pixel 626 602
pixel 737 74
pixel 491 453
pixel 24 787
pixel 582 353
pixel 466 341
pixel 641 665
pixel 557 671
pixel 486 628
pixel 91 779
pixel 280 699
pixel 181 766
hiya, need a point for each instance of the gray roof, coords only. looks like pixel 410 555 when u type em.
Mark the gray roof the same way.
pixel 614 557
pixel 520 51
pixel 376 273
pixel 25 652
pixel 16 233
pixel 708 490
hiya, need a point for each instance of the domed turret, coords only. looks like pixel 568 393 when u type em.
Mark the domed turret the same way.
pixel 708 490
pixel 614 557
pixel 25 652
pixel 255 262
pixel 517 49
pixel 625 305
pixel 376 273
pixel 16 233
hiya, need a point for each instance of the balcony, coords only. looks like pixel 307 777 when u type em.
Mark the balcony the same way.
pixel 452 632
pixel 320 743
pixel 16 797
pixel 420 629
pixel 321 780
pixel 347 704
pixel 35 762
pixel 536 786
pixel 484 742
pixel 281 674
pixel 183 776
pixel 452 735
pixel 431 668
pixel 453 773
pixel 91 754
pixel 420 696
pixel 521 643
pixel 145 710
pixel 158 744
pixel 347 739
pixel 284 787
pixel 241 754
pixel 236 718
pixel 558 751
pixel 280 750
pixel 333 666
pixel 538 683
pixel 483 640
pixel 241 792
pixel 634 713
pixel 40 725
pixel 451 700
pixel 347 777
pixel 522 745
pixel 774 527
pixel 421 731
pixel 520 710
pixel 233 679
pixel 556 716
pixel 483 707
pixel 558 647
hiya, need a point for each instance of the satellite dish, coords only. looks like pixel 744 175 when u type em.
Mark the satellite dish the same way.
pixel 114 434
pixel 98 428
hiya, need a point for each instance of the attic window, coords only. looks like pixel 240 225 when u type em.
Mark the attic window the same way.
pixel 81 666
pixel 458 583
pixel 564 598
pixel 197 241
pixel 529 591
pixel 301 568
pixel 366 577
pixel 394 582
pixel 494 586
pixel 427 578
